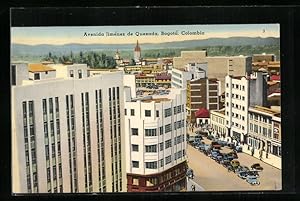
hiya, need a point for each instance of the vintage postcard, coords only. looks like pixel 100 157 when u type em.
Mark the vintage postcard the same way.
pixel 156 108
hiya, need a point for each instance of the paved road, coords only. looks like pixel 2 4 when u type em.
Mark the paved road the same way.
pixel 214 177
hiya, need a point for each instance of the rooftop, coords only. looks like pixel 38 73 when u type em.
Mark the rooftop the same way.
pixel 156 100
pixel 38 67
pixel 265 110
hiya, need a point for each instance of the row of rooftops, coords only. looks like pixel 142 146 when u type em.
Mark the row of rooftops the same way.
pixel 256 108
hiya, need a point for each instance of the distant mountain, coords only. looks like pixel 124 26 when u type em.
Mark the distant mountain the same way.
pixel 20 49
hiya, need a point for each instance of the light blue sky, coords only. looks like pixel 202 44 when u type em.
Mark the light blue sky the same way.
pixel 63 35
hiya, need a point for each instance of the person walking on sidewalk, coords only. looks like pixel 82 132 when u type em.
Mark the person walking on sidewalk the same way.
pixel 252 151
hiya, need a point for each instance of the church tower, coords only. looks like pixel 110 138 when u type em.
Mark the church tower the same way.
pixel 137 52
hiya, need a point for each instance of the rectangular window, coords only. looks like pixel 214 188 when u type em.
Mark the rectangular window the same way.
pixel 157 113
pixel 13 74
pixel 125 112
pixel 175 111
pixel 147 113
pixel 168 143
pixel 79 74
pixel 227 85
pixel 243 87
pixel 36 76
pixel 135 147
pixel 151 148
pixel 151 165
pixel 168 112
pixel 71 73
pixel 161 130
pixel 168 159
pixel 161 162
pixel 150 132
pixel 135 181
pixel 168 128
pixel 161 146
pixel 132 112
pixel 134 131
pixel 135 164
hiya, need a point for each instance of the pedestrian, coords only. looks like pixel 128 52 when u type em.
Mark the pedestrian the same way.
pixel 193 188
pixel 192 174
pixel 267 154
pixel 252 151
pixel 260 154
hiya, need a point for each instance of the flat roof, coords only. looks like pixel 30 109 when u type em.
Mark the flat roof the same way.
pixel 265 110
pixel 156 100
pixel 39 68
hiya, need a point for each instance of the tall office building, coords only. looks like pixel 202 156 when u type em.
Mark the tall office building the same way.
pixel 240 93
pixel 67 129
pixel 155 129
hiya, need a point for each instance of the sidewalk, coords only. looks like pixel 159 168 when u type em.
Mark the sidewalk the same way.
pixel 190 182
pixel 271 160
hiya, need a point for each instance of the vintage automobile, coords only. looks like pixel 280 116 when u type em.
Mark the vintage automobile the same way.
pixel 256 166
pixel 215 145
pixel 242 169
pixel 222 143
pixel 243 174
pixel 252 180
pixel 238 149
pixel 190 173
pixel 253 173
pixel 235 164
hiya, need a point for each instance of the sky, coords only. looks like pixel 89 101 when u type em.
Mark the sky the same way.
pixel 65 35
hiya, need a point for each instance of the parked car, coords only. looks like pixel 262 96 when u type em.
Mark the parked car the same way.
pixel 235 163
pixel 242 169
pixel 239 148
pixel 214 154
pixel 197 146
pixel 198 137
pixel 256 166
pixel 252 180
pixel 231 145
pixel 201 146
pixel 253 173
pixel 190 173
pixel 222 143
pixel 210 137
pixel 243 174
pixel 233 154
pixel 215 145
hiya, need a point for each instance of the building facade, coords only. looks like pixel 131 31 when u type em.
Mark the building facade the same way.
pixel 218 123
pixel 155 128
pixel 236 107
pixel 265 132
pixel 202 92
pixel 218 66
pixel 67 130
pixel 240 93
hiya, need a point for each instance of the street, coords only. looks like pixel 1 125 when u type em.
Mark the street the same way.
pixel 214 177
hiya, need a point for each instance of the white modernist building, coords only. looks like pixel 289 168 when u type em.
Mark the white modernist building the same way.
pixel 236 107
pixel 155 130
pixel 240 93
pixel 67 129
pixel 191 71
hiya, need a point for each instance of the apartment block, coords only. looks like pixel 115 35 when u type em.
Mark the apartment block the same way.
pixel 155 128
